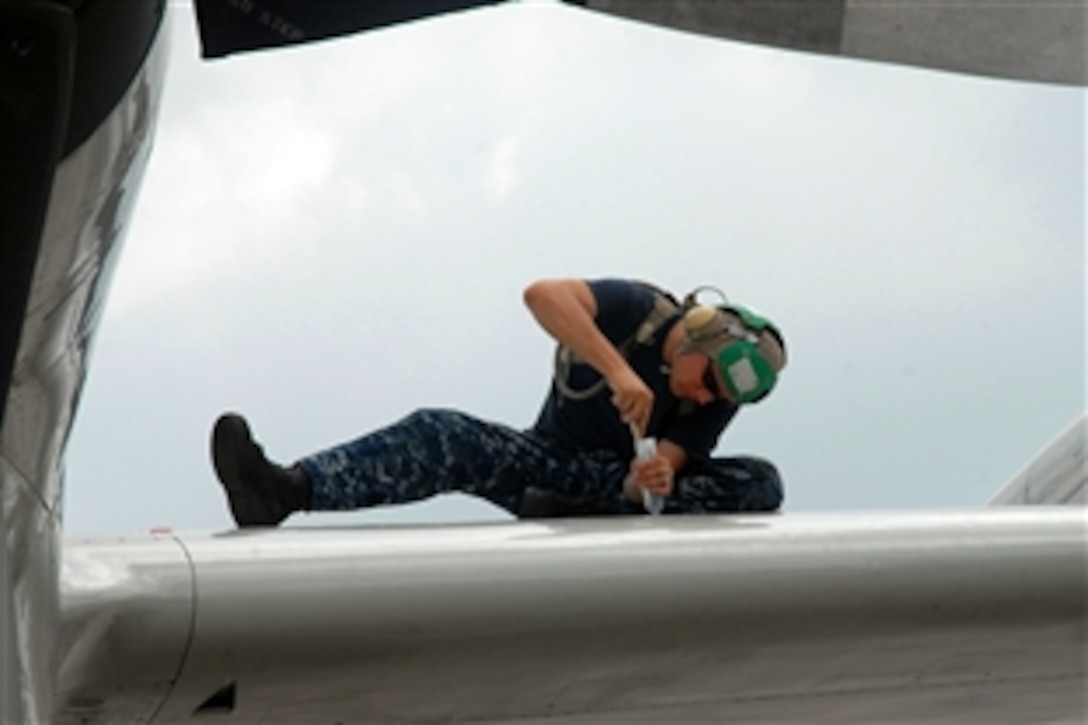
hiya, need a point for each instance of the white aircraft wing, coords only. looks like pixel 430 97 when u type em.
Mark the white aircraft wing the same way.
pixel 952 616
pixel 1057 476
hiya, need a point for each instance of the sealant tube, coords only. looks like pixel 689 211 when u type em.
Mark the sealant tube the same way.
pixel 646 448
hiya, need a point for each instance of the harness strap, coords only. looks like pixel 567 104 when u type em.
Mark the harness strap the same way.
pixel 665 306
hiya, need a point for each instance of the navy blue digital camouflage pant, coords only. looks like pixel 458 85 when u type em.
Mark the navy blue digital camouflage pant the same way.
pixel 435 451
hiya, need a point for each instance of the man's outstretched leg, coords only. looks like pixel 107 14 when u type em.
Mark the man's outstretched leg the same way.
pixel 260 493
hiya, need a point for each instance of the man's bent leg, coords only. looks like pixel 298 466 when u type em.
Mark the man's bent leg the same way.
pixel 725 485
pixel 589 483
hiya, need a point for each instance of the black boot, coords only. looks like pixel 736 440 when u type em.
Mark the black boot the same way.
pixel 260 493
pixel 539 503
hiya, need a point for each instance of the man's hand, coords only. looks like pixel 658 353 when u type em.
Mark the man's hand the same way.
pixel 653 474
pixel 656 474
pixel 633 399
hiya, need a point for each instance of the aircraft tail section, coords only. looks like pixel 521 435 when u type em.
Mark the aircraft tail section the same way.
pixel 1056 477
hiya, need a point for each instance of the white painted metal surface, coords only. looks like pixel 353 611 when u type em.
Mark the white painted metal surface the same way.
pixel 1058 476
pixel 952 616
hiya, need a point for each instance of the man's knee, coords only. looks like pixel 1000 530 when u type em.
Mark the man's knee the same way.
pixel 767 492
pixel 738 484
pixel 432 417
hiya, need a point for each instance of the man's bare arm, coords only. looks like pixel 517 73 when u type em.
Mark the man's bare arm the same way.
pixel 566 309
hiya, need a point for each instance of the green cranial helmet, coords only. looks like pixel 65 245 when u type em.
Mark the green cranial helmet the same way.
pixel 747 348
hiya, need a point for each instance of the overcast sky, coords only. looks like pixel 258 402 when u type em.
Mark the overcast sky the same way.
pixel 331 236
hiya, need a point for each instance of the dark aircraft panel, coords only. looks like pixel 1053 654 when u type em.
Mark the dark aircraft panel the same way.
pixel 814 25
pixel 36 59
pixel 112 41
pixel 1041 40
pixel 232 26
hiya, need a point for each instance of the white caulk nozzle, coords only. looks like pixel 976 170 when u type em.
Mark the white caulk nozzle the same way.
pixel 646 448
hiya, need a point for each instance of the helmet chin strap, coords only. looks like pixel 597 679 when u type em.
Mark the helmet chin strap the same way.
pixel 676 344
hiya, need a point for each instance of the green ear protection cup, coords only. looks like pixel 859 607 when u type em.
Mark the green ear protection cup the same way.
pixel 745 370
pixel 746 373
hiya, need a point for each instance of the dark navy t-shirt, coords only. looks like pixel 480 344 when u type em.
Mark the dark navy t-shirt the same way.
pixel 594 423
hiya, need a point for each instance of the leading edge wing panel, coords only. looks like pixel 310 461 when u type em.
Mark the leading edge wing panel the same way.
pixel 932 616
pixel 234 26
pixel 1041 40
